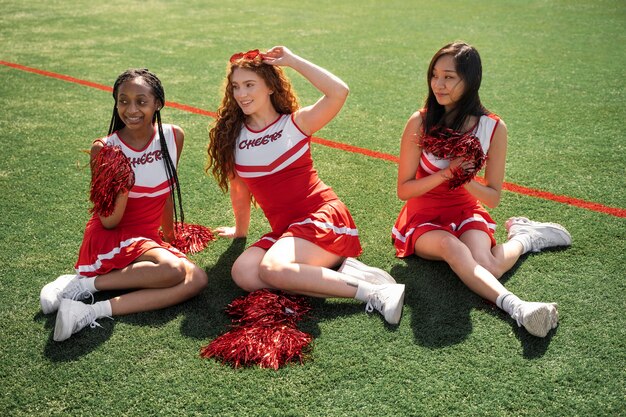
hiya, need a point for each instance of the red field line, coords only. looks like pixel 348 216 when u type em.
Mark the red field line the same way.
pixel 587 205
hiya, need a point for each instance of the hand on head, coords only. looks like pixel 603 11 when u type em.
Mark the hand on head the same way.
pixel 278 55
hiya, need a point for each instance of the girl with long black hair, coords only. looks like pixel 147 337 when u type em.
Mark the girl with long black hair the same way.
pixel 443 147
pixel 123 249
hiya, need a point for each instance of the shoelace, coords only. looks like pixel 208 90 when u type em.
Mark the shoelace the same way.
pixel 517 316
pixel 90 320
pixel 374 302
pixel 77 292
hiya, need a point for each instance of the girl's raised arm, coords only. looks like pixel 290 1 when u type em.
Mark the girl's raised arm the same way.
pixel 314 117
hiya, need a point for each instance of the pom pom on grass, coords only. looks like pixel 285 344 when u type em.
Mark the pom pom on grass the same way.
pixel 262 345
pixel 191 238
pixel 111 174
pixel 264 331
pixel 448 144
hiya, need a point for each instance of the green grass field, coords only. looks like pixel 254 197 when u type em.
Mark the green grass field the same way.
pixel 553 70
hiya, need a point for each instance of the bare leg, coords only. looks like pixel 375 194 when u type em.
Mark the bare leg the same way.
pixel 292 264
pixel 165 279
pixel 497 260
pixel 153 299
pixel 443 246
pixel 537 318
pixel 157 268
pixel 299 266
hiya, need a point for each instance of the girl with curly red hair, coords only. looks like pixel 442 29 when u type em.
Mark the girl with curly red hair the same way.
pixel 260 148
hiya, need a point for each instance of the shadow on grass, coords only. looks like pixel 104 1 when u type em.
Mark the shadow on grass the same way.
pixel 441 305
pixel 203 315
pixel 76 346
pixel 329 310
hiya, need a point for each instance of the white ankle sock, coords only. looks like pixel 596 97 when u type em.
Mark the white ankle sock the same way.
pixel 89 283
pixel 363 291
pixel 508 302
pixel 102 309
pixel 524 239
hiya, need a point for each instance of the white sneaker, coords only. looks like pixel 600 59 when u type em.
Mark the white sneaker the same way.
pixel 542 235
pixel 65 286
pixel 537 318
pixel 359 270
pixel 72 317
pixel 388 300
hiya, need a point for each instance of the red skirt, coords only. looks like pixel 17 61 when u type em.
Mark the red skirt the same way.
pixel 104 250
pixel 330 227
pixel 410 226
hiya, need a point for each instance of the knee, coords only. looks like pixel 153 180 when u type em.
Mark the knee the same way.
pixel 195 279
pixel 199 278
pixel 452 248
pixel 175 269
pixel 271 272
pixel 243 276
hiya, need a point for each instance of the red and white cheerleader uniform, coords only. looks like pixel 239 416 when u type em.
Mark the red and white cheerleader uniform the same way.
pixel 276 165
pixel 104 250
pixel 455 211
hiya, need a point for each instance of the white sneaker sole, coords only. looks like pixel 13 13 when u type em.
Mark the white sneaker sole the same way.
pixel 542 320
pixel 63 325
pixel 48 297
pixel 396 313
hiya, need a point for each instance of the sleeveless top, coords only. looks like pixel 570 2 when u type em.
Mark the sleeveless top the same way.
pixel 276 165
pixel 102 249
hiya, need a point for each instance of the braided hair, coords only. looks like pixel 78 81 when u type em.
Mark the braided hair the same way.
pixel 116 124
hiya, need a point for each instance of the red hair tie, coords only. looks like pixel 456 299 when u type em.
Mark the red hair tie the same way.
pixel 250 55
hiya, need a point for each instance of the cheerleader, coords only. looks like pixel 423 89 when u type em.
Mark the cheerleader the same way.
pixel 260 148
pixel 122 248
pixel 443 147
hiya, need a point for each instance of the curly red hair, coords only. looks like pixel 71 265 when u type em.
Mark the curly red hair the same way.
pixel 230 118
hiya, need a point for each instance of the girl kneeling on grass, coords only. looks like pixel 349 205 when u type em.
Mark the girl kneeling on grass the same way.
pixel 443 146
pixel 260 147
pixel 123 250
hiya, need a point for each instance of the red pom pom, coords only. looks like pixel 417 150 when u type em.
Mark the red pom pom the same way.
pixel 111 174
pixel 265 306
pixel 263 345
pixel 191 238
pixel 264 331
pixel 448 144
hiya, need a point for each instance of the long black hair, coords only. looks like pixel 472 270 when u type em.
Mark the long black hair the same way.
pixel 469 69
pixel 116 124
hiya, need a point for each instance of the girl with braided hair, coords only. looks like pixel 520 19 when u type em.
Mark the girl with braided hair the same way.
pixel 122 248
pixel 443 147
pixel 260 147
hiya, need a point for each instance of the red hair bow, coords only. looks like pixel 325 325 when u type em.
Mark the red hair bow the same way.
pixel 250 55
